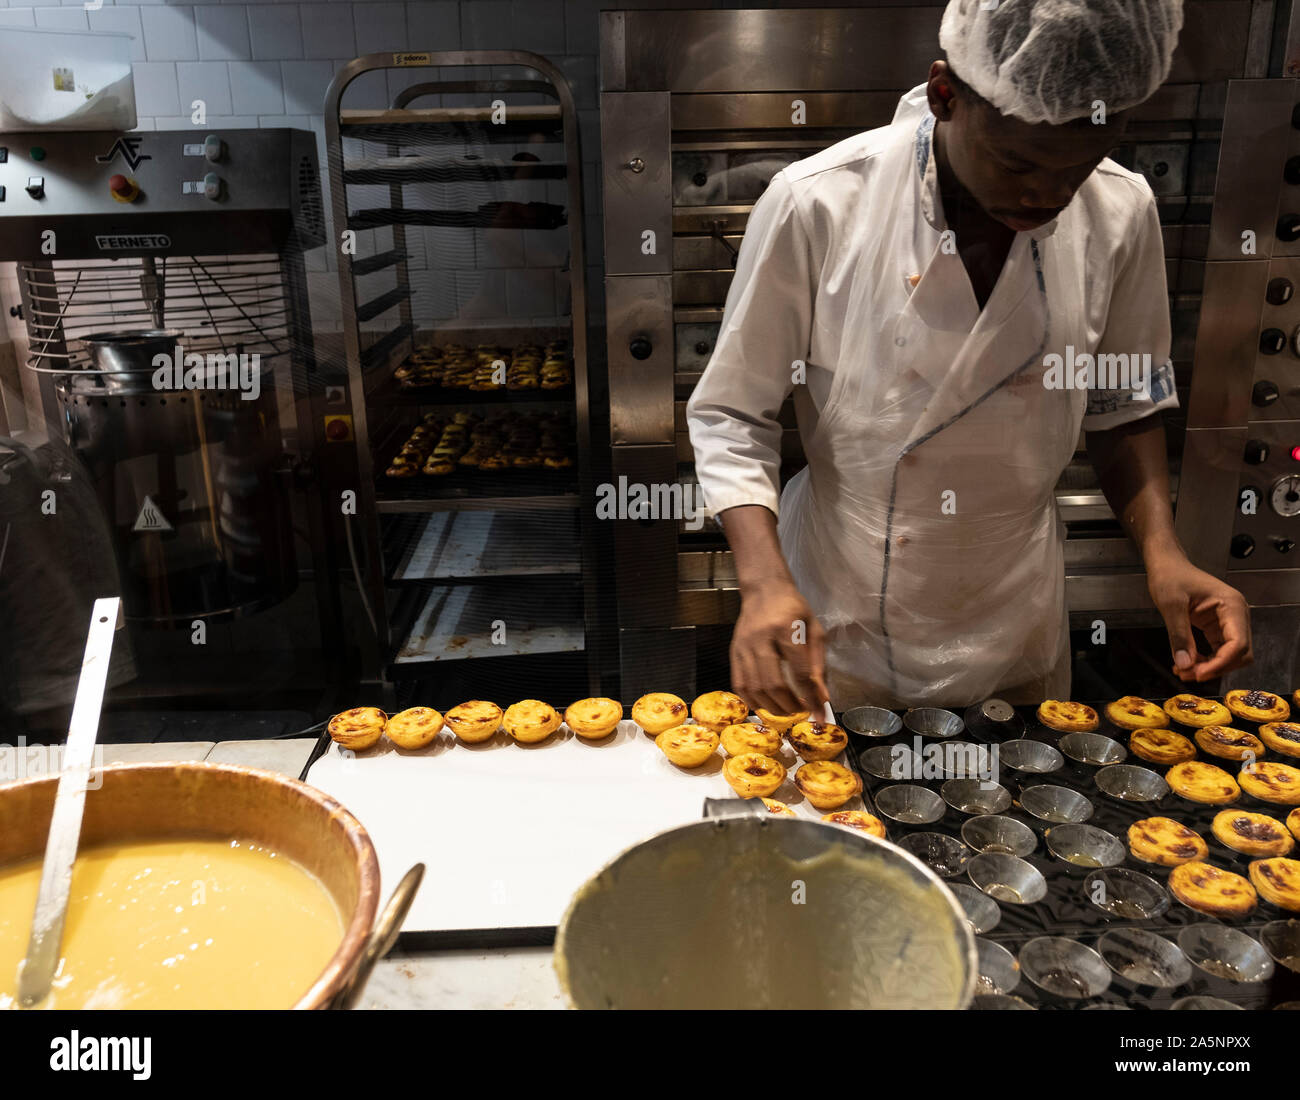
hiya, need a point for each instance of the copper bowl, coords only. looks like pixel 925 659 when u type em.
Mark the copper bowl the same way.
pixel 156 801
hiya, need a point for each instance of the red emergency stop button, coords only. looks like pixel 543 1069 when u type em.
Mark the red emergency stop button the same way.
pixel 123 188
pixel 338 428
pixel 1295 454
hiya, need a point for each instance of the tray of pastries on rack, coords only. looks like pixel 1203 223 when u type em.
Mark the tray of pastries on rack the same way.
pixel 488 368
pixel 465 441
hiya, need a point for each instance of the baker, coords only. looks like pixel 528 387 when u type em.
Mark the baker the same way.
pixel 936 293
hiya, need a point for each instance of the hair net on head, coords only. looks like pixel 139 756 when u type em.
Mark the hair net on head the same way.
pixel 1048 60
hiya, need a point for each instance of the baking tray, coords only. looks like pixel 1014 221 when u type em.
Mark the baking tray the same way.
pixel 1065 909
pixel 508 832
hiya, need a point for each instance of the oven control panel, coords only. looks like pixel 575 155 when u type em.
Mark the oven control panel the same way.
pixel 1266 533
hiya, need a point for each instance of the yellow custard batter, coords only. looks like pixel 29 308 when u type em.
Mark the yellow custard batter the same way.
pixel 193 923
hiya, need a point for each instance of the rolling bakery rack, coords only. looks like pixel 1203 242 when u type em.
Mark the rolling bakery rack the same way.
pixel 460 187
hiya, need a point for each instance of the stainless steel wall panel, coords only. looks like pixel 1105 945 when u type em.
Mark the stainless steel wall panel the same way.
pixel 638 314
pixel 637 175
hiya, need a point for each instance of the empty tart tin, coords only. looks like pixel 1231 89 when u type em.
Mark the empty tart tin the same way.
pixel 982 913
pixel 872 721
pixel 1084 846
pixel 996 833
pixel 1201 1003
pixel 1281 939
pixel 975 796
pixel 1060 805
pixel 1092 748
pixel 1064 968
pixel 899 762
pixel 963 760
pixel 998 970
pixel 944 855
pixel 994 720
pixel 985 1002
pixel 1131 783
pixel 1027 755
pixel 1225 953
pixel 1143 959
pixel 932 722
pixel 909 804
pixel 1007 878
pixel 1124 893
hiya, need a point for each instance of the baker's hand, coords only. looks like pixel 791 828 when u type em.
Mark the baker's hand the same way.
pixel 1189 597
pixel 777 624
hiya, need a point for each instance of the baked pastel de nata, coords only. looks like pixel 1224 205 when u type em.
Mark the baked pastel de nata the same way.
pixel 1283 737
pixel 1200 782
pixel 780 722
pixel 659 711
pixel 358 728
pixel 594 718
pixel 1278 881
pixel 414 727
pixel 530 721
pixel 1166 842
pixel 1293 822
pixel 826 784
pixel 857 819
pixel 1271 782
pixel 719 709
pixel 689 746
pixel 745 737
pixel 1131 712
pixel 778 809
pixel 1067 717
pixel 1257 706
pixel 753 775
pixel 1208 889
pixel 1253 834
pixel 477 720
pixel 818 740
pixel 1192 710
pixel 1161 746
pixel 1229 744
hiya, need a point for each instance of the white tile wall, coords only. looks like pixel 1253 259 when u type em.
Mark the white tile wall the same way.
pixel 275 31
pixel 169 34
pixel 222 32
pixel 327 29
pixel 205 80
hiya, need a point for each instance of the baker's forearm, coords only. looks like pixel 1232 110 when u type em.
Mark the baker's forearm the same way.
pixel 1133 471
pixel 755 548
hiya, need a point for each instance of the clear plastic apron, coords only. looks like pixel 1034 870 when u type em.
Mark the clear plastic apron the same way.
pixel 924 532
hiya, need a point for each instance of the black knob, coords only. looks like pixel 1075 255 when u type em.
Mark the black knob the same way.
pixel 1256 451
pixel 701 347
pixel 640 348
pixel 1283 545
pixel 1242 546
pixel 1279 291
pixel 1295 116
pixel 699 179
pixel 16 311
pixel 1264 394
pixel 1272 341
pixel 1291 171
pixel 1288 227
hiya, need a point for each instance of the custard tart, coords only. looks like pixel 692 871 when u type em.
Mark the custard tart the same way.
pixel 1200 782
pixel 1131 712
pixel 857 819
pixel 1278 881
pixel 780 722
pixel 688 746
pixel 1257 706
pixel 1161 746
pixel 1067 717
pixel 1229 744
pixel 530 721
pixel 1283 737
pixel 477 720
pixel 744 737
pixel 753 775
pixel 1271 782
pixel 358 728
pixel 1164 841
pixel 659 711
pixel 1253 834
pixel 719 709
pixel 1293 822
pixel 818 740
pixel 414 727
pixel 1207 889
pixel 1192 710
pixel 778 808
pixel 594 718
pixel 826 784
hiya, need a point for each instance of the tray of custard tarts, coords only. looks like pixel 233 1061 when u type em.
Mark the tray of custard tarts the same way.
pixel 514 804
pixel 1151 844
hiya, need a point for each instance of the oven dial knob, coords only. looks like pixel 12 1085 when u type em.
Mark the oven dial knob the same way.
pixel 1285 496
pixel 1272 341
pixel 1283 546
pixel 1288 227
pixel 640 348
pixel 1264 394
pixel 1242 546
pixel 1256 451
pixel 1279 291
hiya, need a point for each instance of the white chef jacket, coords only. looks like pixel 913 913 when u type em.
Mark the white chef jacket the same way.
pixel 847 295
